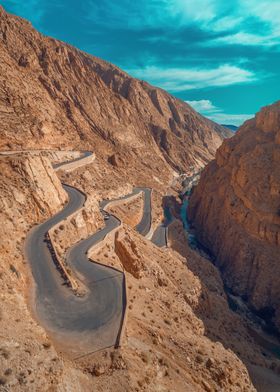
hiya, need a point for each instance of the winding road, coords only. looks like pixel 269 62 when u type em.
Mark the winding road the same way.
pixel 81 324
pixel 86 323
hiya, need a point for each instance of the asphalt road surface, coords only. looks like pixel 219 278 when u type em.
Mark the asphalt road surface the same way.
pixel 159 237
pixel 94 321
pixel 144 225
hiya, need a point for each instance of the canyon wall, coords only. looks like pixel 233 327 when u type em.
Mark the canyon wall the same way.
pixel 235 210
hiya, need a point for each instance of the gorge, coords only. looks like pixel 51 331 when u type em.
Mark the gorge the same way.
pixel 101 287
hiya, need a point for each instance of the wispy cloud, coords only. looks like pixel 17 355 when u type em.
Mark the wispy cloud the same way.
pixel 230 119
pixel 136 15
pixel 245 39
pixel 158 13
pixel 226 23
pixel 212 16
pixel 240 30
pixel 208 109
pixel 266 11
pixel 181 79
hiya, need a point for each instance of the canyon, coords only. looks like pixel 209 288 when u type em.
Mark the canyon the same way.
pixel 70 118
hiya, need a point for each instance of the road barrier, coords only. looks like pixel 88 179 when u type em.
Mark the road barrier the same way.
pixel 60 265
pixel 73 164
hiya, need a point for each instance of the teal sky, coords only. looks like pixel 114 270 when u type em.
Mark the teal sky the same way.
pixel 221 56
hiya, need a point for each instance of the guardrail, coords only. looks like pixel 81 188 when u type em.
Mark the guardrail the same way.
pixel 73 164
pixel 59 265
pixel 69 164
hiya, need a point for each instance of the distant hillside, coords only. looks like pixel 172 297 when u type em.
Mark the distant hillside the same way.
pixel 231 127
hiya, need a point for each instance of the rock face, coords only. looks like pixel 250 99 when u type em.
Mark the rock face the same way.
pixel 53 95
pixel 129 255
pixel 29 184
pixel 30 192
pixel 236 211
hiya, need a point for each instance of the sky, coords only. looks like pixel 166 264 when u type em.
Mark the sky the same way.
pixel 222 57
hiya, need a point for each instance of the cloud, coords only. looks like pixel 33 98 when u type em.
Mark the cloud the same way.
pixel 226 23
pixel 253 23
pixel 151 13
pixel 204 105
pixel 134 15
pixel 230 119
pixel 266 11
pixel 181 79
pixel 211 16
pixel 246 39
pixel 193 10
pixel 238 21
pixel 214 113
pixel 157 13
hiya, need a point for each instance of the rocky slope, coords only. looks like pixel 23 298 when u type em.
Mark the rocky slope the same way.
pixel 151 356
pixel 53 95
pixel 235 210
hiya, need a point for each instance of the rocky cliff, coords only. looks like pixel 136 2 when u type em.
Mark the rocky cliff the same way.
pixel 235 210
pixel 53 95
